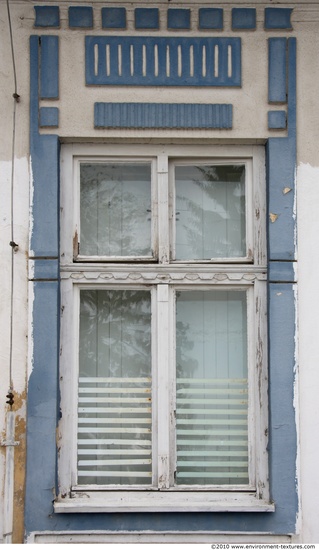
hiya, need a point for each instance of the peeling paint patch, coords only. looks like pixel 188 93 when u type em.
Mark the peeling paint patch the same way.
pixel 19 471
pixel 286 190
pixel 273 217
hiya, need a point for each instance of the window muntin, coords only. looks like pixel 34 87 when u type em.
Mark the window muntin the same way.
pixel 210 216
pixel 211 388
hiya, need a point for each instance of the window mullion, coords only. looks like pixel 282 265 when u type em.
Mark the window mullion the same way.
pixel 163 209
pixel 163 362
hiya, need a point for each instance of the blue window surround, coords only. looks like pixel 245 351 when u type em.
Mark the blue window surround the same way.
pixel 43 388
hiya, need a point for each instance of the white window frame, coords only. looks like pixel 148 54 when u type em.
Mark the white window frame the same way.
pixel 164 278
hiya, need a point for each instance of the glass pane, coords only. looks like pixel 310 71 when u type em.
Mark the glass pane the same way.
pixel 114 420
pixel 115 206
pixel 210 212
pixel 211 388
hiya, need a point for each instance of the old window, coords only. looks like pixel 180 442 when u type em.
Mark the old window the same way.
pixel 163 356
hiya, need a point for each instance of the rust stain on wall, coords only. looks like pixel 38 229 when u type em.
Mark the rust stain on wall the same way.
pixel 19 467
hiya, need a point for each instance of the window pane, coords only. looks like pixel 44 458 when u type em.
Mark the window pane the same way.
pixel 115 209
pixel 211 388
pixel 210 212
pixel 114 421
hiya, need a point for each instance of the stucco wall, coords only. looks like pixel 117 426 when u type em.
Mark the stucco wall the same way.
pixel 76 122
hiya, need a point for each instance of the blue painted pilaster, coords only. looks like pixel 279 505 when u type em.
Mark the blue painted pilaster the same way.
pixel 43 392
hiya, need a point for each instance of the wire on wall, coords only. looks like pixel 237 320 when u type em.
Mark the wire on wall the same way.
pixel 13 244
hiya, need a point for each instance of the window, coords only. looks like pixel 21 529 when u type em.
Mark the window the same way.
pixel 163 355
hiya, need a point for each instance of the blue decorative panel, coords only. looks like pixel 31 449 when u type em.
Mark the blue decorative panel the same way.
pixel 210 18
pixel 278 18
pixel 49 116
pixel 113 18
pixel 277 86
pixel 49 74
pixel 162 115
pixel 81 17
pixel 244 18
pixel 146 18
pixel 148 61
pixel 178 18
pixel 277 120
pixel 47 16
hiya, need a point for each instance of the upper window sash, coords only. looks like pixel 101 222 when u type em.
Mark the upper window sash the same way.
pixel 160 223
pixel 212 210
pixel 115 209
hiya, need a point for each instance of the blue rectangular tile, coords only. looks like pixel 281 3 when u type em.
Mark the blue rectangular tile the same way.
pixel 277 71
pixel 178 18
pixel 49 117
pixel 146 18
pixel 45 269
pixel 277 120
pixel 162 115
pixel 210 18
pixel 278 18
pixel 113 18
pixel 47 16
pixel 244 18
pixel 282 272
pixel 81 17
pixel 49 73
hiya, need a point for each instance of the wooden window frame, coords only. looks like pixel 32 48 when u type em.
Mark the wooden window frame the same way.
pixel 164 278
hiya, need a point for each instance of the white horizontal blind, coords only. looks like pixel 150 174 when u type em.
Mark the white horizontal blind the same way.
pixel 114 430
pixel 211 388
pixel 115 388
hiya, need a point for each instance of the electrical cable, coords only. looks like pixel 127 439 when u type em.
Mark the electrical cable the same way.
pixel 14 246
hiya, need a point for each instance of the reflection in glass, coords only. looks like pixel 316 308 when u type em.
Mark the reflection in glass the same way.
pixel 210 212
pixel 115 209
pixel 114 421
pixel 211 388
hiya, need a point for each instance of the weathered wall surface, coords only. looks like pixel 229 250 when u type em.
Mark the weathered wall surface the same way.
pixel 75 104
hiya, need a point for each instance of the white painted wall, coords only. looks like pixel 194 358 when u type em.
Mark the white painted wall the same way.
pixel 250 122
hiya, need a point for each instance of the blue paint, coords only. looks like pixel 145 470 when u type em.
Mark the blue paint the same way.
pixel 81 17
pixel 281 163
pixel 277 120
pixel 292 87
pixel 210 18
pixel 162 115
pixel 244 19
pixel 283 272
pixel 278 18
pixel 42 406
pixel 45 269
pixel 49 117
pixel 146 18
pixel 277 73
pixel 49 79
pixel 47 16
pixel 283 437
pixel 178 18
pixel 44 151
pixel 165 76
pixel 113 18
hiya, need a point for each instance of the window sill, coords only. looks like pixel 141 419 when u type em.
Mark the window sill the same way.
pixel 138 501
